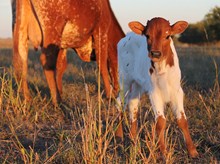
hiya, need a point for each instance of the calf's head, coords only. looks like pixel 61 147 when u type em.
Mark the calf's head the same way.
pixel 158 32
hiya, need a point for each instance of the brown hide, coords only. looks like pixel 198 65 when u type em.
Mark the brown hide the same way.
pixel 158 31
pixel 86 26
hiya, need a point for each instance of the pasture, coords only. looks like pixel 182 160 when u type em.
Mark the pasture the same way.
pixel 81 129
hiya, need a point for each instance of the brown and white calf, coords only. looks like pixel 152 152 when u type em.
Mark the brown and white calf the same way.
pixel 148 62
pixel 87 26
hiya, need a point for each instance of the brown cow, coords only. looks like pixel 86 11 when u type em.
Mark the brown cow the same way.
pixel 88 26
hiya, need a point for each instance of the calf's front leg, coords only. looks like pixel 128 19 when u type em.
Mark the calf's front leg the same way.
pixel 158 108
pixel 178 110
pixel 160 129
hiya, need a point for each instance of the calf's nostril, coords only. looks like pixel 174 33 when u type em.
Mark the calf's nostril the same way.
pixel 155 54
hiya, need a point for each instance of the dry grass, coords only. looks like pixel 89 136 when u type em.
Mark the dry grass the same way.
pixel 6 43
pixel 37 132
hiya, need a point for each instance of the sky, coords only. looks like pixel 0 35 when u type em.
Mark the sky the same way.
pixel 191 11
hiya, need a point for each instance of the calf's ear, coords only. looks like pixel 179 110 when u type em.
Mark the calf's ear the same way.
pixel 179 27
pixel 136 27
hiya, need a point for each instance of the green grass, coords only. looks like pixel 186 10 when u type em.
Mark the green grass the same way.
pixel 37 132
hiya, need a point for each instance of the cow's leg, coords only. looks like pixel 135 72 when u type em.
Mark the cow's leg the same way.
pixel 20 49
pixel 49 60
pixel 60 68
pixel 158 108
pixel 178 110
pixel 101 44
pixel 104 73
pixel 113 68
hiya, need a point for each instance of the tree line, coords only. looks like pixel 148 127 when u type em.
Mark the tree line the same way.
pixel 205 31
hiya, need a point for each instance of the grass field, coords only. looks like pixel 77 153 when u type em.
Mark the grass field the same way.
pixel 38 132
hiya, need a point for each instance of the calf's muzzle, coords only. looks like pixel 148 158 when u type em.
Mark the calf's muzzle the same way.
pixel 155 54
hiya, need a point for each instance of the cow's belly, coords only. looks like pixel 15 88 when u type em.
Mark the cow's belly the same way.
pixel 72 36
pixel 77 38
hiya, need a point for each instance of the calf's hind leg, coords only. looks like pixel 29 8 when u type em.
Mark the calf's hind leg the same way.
pixel 133 102
pixel 132 99
pixel 121 107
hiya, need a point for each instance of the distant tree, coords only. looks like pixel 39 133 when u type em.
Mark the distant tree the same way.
pixel 212 24
pixel 195 33
pixel 207 30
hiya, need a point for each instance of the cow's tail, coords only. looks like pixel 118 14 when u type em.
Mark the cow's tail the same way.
pixel 38 21
pixel 13 9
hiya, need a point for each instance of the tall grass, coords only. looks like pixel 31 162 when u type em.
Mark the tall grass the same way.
pixel 82 129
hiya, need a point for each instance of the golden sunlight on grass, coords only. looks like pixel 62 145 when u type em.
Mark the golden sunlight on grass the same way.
pixel 38 132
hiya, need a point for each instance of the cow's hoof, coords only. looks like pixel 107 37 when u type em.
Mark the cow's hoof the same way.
pixel 193 153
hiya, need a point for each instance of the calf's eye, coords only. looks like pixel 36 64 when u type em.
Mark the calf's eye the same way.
pixel 147 36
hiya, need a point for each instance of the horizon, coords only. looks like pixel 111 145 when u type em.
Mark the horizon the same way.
pixel 140 10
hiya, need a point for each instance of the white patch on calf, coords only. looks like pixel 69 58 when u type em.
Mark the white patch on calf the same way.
pixel 134 66
pixel 163 85
pixel 168 86
pixel 160 67
pixel 133 62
